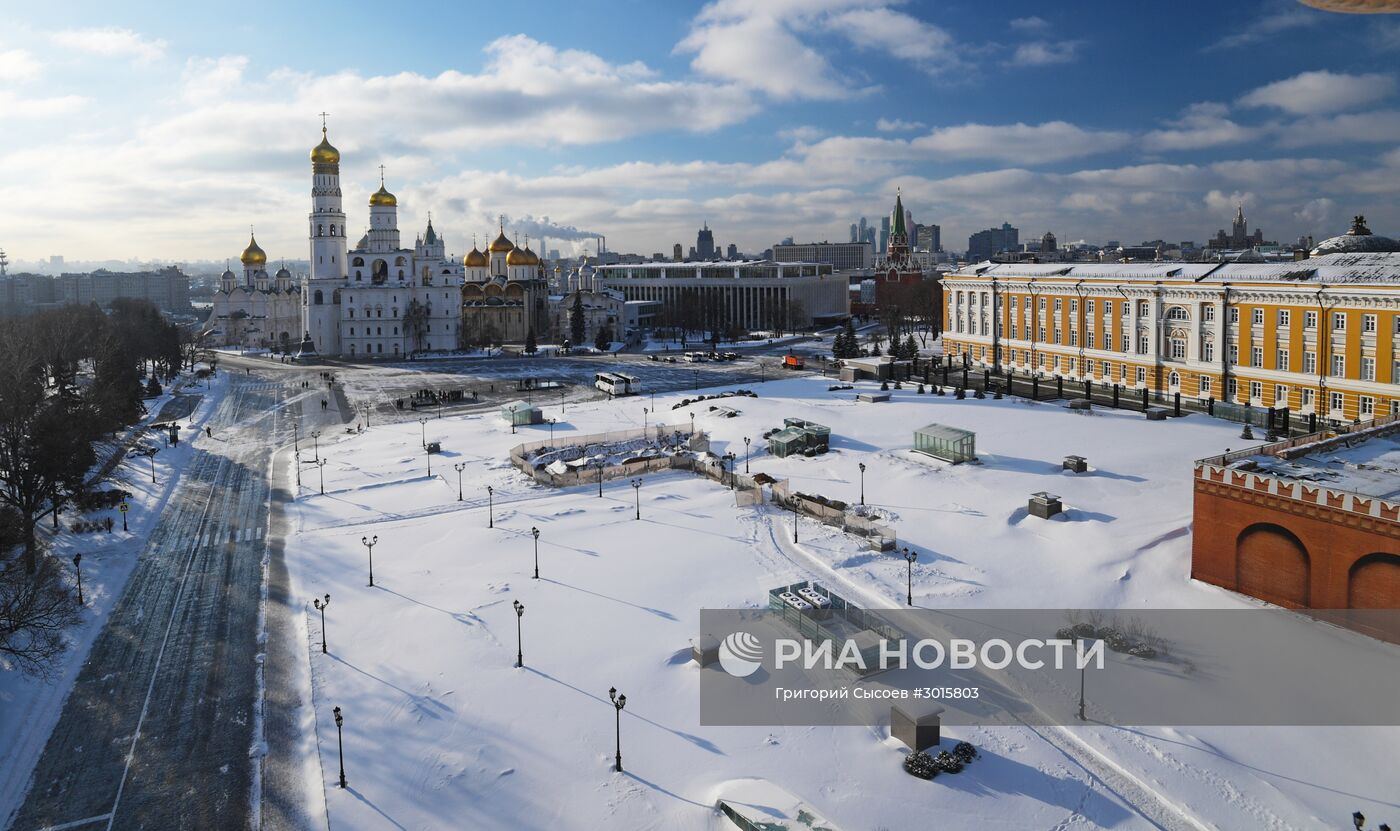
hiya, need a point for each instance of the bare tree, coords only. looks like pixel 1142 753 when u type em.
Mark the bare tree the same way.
pixel 35 609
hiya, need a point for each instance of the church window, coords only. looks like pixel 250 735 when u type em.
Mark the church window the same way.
pixel 320 230
pixel 352 314
pixel 332 230
pixel 318 297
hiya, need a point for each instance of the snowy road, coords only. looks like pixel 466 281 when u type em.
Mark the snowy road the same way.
pixel 156 733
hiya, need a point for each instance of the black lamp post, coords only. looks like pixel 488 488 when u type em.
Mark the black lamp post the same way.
pixel 644 420
pixel 551 432
pixel 490 507
pixel 909 558
pixel 369 542
pixel 862 483
pixel 297 456
pixel 296 436
pixel 77 564
pixel 423 429
pixel 321 466
pixel 321 606
pixel 1081 686
pixel 366 406
pixel 519 648
pixel 600 478
pixel 123 509
pixel 746 453
pixel 153 467
pixel 427 454
pixel 692 423
pixel 792 497
pixel 535 532
pixel 618 702
pixel 730 458
pixel 340 742
pixel 316 444
pixel 637 492
pixel 459 467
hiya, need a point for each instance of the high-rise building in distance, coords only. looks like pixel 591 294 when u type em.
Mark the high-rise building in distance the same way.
pixel 705 243
pixel 984 245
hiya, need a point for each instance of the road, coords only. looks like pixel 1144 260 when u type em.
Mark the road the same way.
pixel 157 730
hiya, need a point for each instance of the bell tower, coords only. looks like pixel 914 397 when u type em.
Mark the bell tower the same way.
pixel 327 219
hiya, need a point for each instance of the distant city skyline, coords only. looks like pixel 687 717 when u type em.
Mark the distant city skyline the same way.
pixel 145 135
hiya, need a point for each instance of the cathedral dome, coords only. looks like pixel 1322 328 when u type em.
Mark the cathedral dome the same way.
pixel 1359 240
pixel 325 152
pixel 474 259
pixel 383 197
pixel 501 245
pixel 518 256
pixel 283 273
pixel 253 255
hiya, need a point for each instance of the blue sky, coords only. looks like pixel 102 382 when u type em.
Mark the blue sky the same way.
pixel 165 130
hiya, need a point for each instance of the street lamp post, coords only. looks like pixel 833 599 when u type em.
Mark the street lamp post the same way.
pixel 428 455
pixel 490 507
pixel 459 467
pixel 793 499
pixel 153 466
pixel 862 482
pixel 296 454
pixel 369 543
pixel 123 509
pixel 535 532
pixel 730 458
pixel 637 492
pixel 366 407
pixel 423 428
pixel 78 566
pixel 909 558
pixel 644 420
pixel 600 478
pixel 320 606
pixel 618 702
pixel 316 444
pixel 321 466
pixel 340 742
pixel 551 432
pixel 746 453
pixel 296 436
pixel 692 423
pixel 519 648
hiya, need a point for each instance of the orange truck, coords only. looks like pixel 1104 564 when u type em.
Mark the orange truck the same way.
pixel 792 362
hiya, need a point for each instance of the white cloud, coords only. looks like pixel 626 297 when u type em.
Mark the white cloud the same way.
pixel 780 47
pixel 1045 53
pixel 1029 24
pixel 1024 143
pixel 1316 213
pixel 1275 18
pixel 898 125
pixel 1226 203
pixel 1321 92
pixel 13 106
pixel 1200 126
pixel 111 42
pixel 1379 126
pixel 802 133
pixel 18 65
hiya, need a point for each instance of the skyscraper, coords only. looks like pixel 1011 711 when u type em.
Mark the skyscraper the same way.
pixel 884 234
pixel 983 245
pixel 705 243
pixel 855 233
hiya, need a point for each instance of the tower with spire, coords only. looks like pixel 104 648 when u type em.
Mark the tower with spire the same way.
pixel 898 252
pixel 326 223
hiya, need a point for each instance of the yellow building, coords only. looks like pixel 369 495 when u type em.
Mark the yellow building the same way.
pixel 1317 335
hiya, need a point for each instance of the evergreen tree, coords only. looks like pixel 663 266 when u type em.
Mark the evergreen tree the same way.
pixel 576 328
pixel 852 343
pixel 530 346
pixel 604 339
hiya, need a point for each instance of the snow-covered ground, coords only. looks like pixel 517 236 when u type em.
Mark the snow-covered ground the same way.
pixel 30 705
pixel 442 731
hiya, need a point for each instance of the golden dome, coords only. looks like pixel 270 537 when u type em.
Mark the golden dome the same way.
pixel 500 244
pixel 325 152
pixel 253 255
pixel 534 259
pixel 517 256
pixel 383 197
pixel 475 259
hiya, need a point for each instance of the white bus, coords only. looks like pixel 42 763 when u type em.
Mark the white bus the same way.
pixel 696 357
pixel 615 383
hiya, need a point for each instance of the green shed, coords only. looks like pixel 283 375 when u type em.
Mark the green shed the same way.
pixel 786 442
pixel 520 413
pixel 947 443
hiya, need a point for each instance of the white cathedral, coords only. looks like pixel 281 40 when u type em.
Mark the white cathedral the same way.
pixel 377 300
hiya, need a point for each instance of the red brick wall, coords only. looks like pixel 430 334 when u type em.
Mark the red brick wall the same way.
pixel 1333 539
